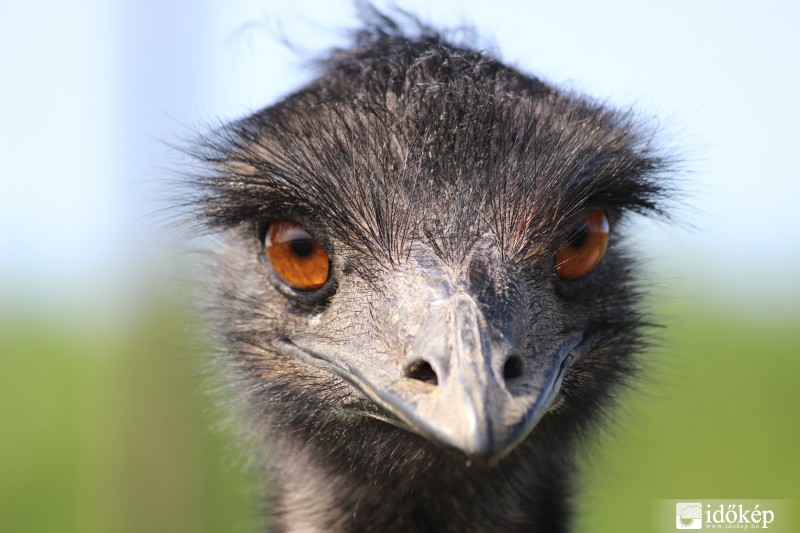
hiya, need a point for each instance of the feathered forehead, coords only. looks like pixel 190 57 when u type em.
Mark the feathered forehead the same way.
pixel 402 139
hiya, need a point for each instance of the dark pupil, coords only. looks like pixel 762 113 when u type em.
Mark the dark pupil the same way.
pixel 578 236
pixel 301 247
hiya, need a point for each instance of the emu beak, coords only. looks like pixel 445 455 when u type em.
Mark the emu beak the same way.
pixel 461 383
pixel 472 408
pixel 465 390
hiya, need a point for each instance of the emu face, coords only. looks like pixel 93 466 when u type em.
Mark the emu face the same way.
pixel 442 349
pixel 427 238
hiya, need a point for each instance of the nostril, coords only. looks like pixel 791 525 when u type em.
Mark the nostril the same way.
pixel 513 367
pixel 422 371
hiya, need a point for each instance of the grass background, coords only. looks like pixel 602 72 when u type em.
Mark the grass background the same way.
pixel 114 431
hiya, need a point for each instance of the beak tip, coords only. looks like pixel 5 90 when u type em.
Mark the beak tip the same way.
pixel 481 446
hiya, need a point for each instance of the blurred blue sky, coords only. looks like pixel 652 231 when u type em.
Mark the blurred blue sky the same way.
pixel 92 92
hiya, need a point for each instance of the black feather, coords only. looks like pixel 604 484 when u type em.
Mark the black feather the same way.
pixel 406 139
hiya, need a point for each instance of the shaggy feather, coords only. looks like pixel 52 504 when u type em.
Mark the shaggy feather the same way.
pixel 405 141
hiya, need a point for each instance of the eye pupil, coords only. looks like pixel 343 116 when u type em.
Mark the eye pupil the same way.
pixel 302 247
pixel 578 236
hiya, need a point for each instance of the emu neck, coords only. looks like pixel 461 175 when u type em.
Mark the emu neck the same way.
pixel 310 494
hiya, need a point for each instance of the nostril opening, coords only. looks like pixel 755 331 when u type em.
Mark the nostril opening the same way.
pixel 513 367
pixel 422 371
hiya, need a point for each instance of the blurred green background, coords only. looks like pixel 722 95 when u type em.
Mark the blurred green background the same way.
pixel 114 431
pixel 108 416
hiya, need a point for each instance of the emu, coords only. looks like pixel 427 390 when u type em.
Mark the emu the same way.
pixel 421 285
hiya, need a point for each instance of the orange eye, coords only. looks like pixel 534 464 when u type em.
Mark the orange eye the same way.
pixel 296 257
pixel 585 247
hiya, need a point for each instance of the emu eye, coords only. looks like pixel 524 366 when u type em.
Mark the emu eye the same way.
pixel 296 257
pixel 585 246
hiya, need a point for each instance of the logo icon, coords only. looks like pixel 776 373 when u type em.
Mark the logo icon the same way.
pixel 689 515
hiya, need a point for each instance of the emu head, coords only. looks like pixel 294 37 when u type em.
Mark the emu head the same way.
pixel 424 242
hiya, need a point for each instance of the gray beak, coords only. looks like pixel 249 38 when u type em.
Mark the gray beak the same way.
pixel 457 379
pixel 464 390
